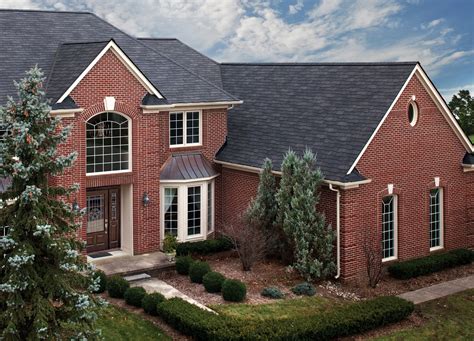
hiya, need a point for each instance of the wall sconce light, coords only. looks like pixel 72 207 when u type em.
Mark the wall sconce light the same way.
pixel 75 206
pixel 146 199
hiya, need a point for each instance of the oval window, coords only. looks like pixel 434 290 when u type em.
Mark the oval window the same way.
pixel 412 113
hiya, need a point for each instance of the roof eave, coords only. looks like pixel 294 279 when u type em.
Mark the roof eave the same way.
pixel 166 107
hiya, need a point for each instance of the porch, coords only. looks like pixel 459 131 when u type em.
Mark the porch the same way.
pixel 121 263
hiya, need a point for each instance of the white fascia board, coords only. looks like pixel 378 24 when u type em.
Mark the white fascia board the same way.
pixel 125 60
pixel 148 109
pixel 342 185
pixel 440 103
pixel 188 181
pixel 467 168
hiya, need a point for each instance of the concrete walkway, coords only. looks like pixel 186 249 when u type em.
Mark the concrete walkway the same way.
pixel 439 290
pixel 156 285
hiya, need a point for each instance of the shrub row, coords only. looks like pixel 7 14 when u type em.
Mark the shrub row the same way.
pixel 433 263
pixel 338 322
pixel 204 247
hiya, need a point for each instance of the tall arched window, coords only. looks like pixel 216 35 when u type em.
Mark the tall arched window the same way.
pixel 108 143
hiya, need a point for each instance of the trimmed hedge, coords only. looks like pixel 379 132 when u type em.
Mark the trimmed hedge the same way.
pixel 102 282
pixel 204 247
pixel 151 301
pixel 197 270
pixel 134 296
pixel 183 263
pixel 338 322
pixel 116 286
pixel 234 290
pixel 433 263
pixel 213 281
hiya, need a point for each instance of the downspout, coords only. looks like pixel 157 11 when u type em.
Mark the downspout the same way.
pixel 338 229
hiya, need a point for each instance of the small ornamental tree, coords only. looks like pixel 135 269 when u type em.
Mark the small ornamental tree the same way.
pixel 262 210
pixel 311 237
pixel 462 105
pixel 45 284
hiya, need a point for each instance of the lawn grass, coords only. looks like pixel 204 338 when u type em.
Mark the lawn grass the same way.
pixel 118 324
pixel 281 309
pixel 449 318
pixel 472 138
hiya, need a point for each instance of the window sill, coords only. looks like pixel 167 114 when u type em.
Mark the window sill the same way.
pixel 436 248
pixel 110 173
pixel 389 259
pixel 195 238
pixel 190 145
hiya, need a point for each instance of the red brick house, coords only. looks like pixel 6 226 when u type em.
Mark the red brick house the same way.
pixel 170 141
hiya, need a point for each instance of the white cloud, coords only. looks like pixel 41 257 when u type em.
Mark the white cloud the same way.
pixel 449 92
pixel 432 23
pixel 325 7
pixel 22 4
pixel 296 7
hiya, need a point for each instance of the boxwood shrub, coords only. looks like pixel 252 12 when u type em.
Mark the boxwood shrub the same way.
pixel 102 281
pixel 433 263
pixel 340 321
pixel 234 290
pixel 151 301
pixel 197 270
pixel 116 286
pixel 183 263
pixel 134 296
pixel 204 247
pixel 213 281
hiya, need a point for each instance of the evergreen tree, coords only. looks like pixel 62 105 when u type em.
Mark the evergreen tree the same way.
pixel 462 105
pixel 45 284
pixel 310 236
pixel 262 210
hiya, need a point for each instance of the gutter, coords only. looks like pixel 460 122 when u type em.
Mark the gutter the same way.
pixel 187 105
pixel 338 229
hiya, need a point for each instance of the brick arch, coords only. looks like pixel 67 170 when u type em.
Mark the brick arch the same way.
pixel 120 107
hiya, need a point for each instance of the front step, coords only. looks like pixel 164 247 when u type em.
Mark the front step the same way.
pixel 137 277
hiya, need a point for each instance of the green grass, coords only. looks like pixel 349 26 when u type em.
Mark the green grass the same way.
pixel 118 324
pixel 280 309
pixel 449 318
pixel 472 138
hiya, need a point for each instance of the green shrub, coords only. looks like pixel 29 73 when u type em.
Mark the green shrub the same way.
pixel 183 263
pixel 170 243
pixel 233 290
pixel 102 284
pixel 272 292
pixel 433 263
pixel 304 288
pixel 151 301
pixel 213 281
pixel 204 247
pixel 337 322
pixel 197 270
pixel 116 286
pixel 134 296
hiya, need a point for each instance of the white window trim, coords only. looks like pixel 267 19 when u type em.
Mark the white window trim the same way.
pixel 414 105
pixel 395 231
pixel 183 209
pixel 441 221
pixel 184 144
pixel 213 208
pixel 130 155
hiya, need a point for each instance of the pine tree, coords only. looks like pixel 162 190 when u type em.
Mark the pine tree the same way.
pixel 312 239
pixel 45 284
pixel 262 210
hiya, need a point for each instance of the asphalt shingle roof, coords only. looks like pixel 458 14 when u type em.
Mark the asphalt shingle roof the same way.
pixel 332 108
pixel 33 37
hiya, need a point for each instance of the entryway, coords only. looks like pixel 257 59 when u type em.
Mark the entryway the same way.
pixel 103 219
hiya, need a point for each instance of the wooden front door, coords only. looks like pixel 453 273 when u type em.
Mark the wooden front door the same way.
pixel 103 219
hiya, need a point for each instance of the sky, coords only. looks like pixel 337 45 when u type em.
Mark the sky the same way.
pixel 438 33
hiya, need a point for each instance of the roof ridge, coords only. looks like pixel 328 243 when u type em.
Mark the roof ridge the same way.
pixel 166 57
pixel 150 38
pixel 85 42
pixel 320 63
pixel 42 10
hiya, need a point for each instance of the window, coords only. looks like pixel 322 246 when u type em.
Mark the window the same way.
pixel 413 113
pixel 187 210
pixel 3 231
pixel 436 219
pixel 194 210
pixel 210 215
pixel 185 128
pixel 171 211
pixel 108 143
pixel 389 228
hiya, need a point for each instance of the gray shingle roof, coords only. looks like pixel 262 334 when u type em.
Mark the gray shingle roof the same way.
pixel 189 166
pixel 332 108
pixel 33 37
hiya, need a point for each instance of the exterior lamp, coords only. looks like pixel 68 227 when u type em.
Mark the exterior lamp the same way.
pixel 146 199
pixel 75 206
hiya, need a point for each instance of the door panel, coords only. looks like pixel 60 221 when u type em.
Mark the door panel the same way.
pixel 114 218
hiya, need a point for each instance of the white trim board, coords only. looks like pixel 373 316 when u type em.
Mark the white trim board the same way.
pixel 125 60
pixel 440 103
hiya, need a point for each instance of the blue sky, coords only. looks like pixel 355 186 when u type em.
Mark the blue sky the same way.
pixel 439 33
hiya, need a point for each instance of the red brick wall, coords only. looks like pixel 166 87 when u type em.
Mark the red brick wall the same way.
pixel 150 144
pixel 410 158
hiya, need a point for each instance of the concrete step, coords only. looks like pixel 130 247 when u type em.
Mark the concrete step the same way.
pixel 137 277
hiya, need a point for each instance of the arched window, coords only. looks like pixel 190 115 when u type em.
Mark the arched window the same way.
pixel 108 143
pixel 412 113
